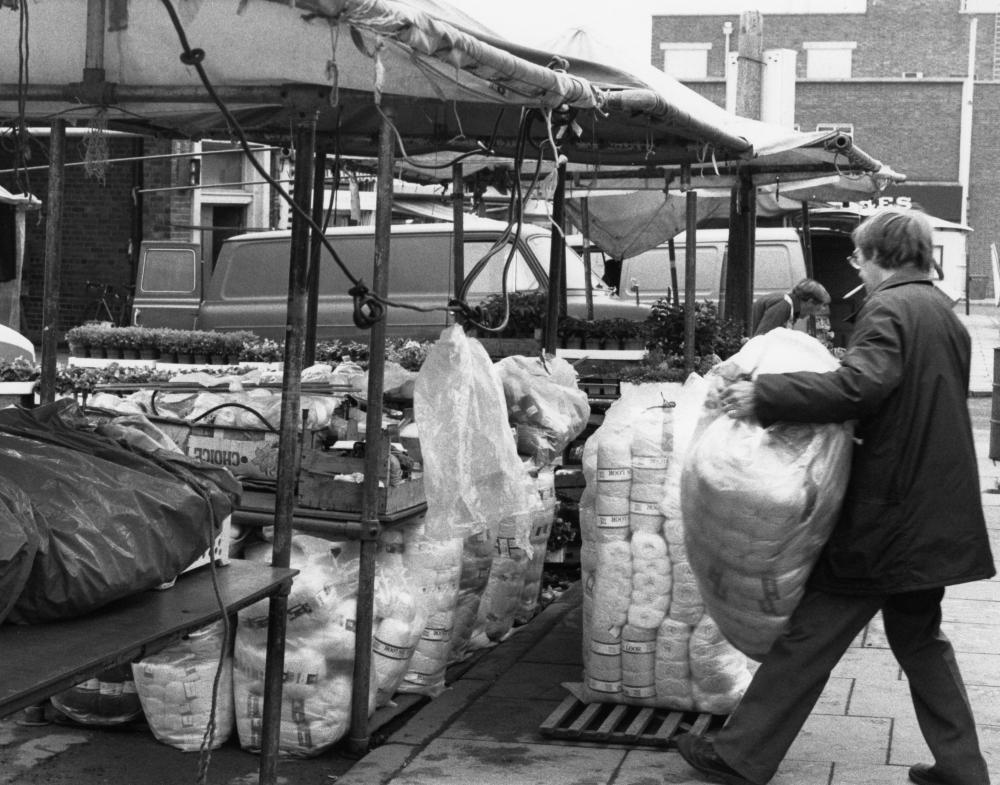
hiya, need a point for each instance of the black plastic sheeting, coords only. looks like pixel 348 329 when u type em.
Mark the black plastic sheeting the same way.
pixel 96 519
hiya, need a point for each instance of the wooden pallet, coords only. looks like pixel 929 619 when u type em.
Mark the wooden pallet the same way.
pixel 618 723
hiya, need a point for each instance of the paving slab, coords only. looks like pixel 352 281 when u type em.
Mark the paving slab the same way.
pixel 831 738
pixel 520 723
pixel 535 681
pixel 460 762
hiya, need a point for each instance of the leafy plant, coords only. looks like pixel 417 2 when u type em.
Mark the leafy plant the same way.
pixel 713 335
pixel 526 312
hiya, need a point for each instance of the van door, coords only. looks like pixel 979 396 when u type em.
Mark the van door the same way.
pixel 168 285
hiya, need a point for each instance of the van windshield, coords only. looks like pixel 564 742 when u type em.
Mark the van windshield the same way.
pixel 541 246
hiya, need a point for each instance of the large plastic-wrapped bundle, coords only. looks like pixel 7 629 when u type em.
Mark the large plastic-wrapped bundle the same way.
pixel 316 695
pixel 320 645
pixel 400 611
pixel 546 405
pixel 512 556
pixel 477 558
pixel 759 502
pixel 642 604
pixel 179 686
pixel 434 565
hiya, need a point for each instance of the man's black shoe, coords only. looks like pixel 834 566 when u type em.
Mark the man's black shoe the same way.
pixel 701 755
pixel 925 774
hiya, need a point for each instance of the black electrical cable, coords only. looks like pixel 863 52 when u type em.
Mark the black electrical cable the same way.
pixel 369 308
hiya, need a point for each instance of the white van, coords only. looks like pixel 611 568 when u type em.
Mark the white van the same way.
pixel 779 264
pixel 248 287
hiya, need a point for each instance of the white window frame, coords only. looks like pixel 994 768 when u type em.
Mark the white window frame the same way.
pixel 819 66
pixel 697 54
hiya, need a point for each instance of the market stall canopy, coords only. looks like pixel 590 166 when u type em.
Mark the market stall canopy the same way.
pixel 452 83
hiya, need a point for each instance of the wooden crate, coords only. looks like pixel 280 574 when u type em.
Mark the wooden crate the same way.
pixel 319 489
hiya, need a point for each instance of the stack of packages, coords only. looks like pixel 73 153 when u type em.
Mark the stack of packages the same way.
pixel 647 640
pixel 108 699
pixel 434 562
pixel 181 686
pixel 475 484
pixel 319 648
pixel 759 502
pixel 541 527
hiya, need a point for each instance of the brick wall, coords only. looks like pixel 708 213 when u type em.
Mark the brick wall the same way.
pixel 101 224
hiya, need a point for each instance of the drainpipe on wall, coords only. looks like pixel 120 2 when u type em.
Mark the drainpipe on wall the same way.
pixel 965 132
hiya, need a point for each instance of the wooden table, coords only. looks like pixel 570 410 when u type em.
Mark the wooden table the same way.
pixel 40 660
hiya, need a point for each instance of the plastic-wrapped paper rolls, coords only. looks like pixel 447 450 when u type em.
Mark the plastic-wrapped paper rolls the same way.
pixel 604 664
pixel 686 604
pixel 339 637
pixel 673 668
pixel 477 557
pixel 651 581
pixel 644 517
pixel 638 663
pixel 391 549
pixel 614 480
pixel 175 688
pixel 613 586
pixel 719 672
pixel 429 660
pixel 393 643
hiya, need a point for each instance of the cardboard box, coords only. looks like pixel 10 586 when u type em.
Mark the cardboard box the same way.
pixel 246 452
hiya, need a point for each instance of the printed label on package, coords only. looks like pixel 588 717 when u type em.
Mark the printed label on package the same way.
pixel 618 474
pixel 612 521
pixel 644 508
pixel 391 651
pixel 607 649
pixel 638 647
pixel 650 461
pixel 647 691
pixel 599 685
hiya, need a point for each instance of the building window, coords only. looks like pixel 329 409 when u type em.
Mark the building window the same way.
pixel 829 59
pixel 686 61
pixel 979 6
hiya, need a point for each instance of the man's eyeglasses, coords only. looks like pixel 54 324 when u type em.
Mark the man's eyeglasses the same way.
pixel 853 260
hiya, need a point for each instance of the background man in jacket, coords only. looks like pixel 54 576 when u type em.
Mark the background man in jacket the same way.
pixel 807 298
pixel 911 521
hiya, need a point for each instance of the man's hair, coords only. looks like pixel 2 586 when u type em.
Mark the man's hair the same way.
pixel 814 291
pixel 897 238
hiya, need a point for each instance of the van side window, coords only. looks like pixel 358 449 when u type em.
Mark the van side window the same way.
pixel 772 267
pixel 169 270
pixel 258 269
pixel 418 264
pixel 488 281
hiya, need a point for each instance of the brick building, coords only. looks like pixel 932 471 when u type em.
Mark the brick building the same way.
pixel 916 81
pixel 147 196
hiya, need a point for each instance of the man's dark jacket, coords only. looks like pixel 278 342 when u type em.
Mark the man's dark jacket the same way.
pixel 912 516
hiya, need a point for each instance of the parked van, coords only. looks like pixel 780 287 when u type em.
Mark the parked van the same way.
pixel 779 264
pixel 247 289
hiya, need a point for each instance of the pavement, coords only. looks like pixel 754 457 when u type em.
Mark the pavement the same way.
pixel 484 728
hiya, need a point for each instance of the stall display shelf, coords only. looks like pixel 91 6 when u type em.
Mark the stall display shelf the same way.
pixel 40 660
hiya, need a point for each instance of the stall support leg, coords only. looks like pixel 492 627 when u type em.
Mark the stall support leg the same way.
pixel 274 674
pixel 359 736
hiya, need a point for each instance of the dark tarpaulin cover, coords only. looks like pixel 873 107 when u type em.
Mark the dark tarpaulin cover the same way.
pixel 19 540
pixel 112 520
